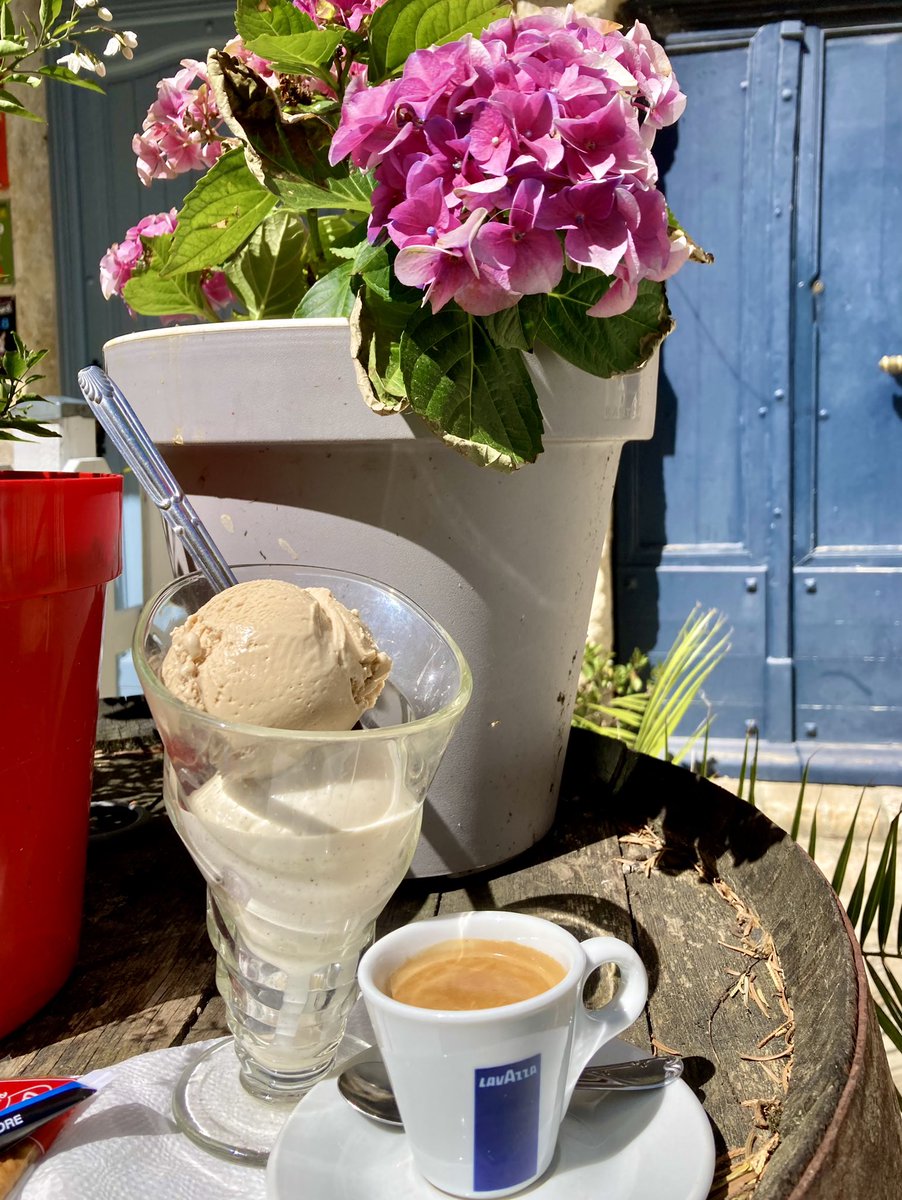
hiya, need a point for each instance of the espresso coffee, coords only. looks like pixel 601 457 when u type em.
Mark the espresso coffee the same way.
pixel 472 973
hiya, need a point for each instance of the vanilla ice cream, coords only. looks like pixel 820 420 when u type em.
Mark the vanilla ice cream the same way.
pixel 267 652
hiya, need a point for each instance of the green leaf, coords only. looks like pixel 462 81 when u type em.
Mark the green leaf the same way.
pixel 298 52
pixel 843 861
pixel 377 355
pixel 64 75
pixel 476 396
pixel 352 194
pixel 288 152
pixel 753 773
pixel 892 1031
pixel 9 104
pixel 853 908
pixel 892 1007
pixel 267 273
pixel 875 900
pixel 219 214
pixel 147 292
pixel 517 328
pixel 154 295
pixel 812 833
pixel 401 26
pixel 49 11
pixel 25 425
pixel 10 47
pixel 888 891
pixel 256 18
pixel 797 815
pixel 330 296
pixel 604 346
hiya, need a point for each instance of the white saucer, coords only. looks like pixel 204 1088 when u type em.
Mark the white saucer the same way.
pixel 654 1145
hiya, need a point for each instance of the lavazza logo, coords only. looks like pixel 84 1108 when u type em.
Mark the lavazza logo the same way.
pixel 511 1075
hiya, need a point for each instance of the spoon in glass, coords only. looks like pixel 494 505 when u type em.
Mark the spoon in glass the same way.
pixel 366 1086
pixel 132 440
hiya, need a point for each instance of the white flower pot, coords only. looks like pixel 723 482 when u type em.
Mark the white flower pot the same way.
pixel 264 427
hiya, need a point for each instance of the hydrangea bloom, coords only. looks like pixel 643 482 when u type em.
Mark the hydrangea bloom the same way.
pixel 486 151
pixel 350 13
pixel 121 260
pixel 181 129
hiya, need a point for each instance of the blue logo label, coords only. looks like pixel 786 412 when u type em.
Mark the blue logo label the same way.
pixel 506 1124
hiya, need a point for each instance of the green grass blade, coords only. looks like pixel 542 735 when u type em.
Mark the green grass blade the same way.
pixel 855 901
pixel 742 768
pixel 892 1031
pixel 875 895
pixel 843 861
pixel 609 731
pixel 890 1007
pixel 704 767
pixel 812 835
pixel 888 891
pixel 797 816
pixel 753 773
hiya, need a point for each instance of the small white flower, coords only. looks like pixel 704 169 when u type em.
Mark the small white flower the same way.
pixel 129 39
pixel 104 14
pixel 77 61
pixel 85 3
pixel 111 48
pixel 99 67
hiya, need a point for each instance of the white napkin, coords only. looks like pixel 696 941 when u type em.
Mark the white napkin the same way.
pixel 123 1144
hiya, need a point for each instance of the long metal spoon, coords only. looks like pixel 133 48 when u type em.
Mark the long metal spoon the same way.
pixel 133 442
pixel 366 1086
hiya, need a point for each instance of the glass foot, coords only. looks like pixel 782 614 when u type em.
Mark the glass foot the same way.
pixel 211 1105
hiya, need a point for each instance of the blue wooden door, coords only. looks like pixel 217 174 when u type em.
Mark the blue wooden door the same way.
pixel 769 491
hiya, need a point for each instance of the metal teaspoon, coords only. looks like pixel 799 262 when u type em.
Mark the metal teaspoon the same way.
pixel 366 1086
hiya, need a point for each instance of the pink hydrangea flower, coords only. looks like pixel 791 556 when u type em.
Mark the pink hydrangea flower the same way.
pixel 118 264
pixel 496 157
pixel 181 131
pixel 122 259
pixel 350 13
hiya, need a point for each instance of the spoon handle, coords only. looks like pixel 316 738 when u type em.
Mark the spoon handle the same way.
pixel 133 442
pixel 633 1076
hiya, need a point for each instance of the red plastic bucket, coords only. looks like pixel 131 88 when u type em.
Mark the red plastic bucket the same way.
pixel 59 546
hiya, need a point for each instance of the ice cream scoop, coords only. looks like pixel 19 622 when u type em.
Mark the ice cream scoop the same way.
pixel 267 652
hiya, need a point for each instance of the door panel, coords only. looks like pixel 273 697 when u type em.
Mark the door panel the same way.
pixel 770 489
pixel 848 543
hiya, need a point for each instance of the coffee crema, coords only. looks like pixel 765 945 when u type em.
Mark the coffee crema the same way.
pixel 472 973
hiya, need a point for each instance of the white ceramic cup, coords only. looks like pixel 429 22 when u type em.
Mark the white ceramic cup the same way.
pixel 482 1093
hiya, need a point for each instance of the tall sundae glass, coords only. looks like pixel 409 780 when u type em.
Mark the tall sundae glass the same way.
pixel 302 838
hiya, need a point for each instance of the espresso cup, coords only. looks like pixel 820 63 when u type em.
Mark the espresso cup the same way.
pixel 482 1092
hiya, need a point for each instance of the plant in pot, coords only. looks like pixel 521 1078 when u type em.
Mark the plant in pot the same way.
pixel 454 211
pixel 59 545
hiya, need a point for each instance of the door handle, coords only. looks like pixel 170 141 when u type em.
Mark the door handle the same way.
pixel 891 363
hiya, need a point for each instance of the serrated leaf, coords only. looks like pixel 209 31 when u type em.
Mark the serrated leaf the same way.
pixel 267 273
pixel 218 216
pixel 476 396
pixel 330 296
pixel 153 295
pixel 604 346
pixel 287 152
pixel 517 328
pixel 377 359
pixel 401 26
pixel 64 75
pixel 296 53
pixel 254 18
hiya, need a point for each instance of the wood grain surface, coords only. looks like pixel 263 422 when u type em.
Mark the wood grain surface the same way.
pixel 755 977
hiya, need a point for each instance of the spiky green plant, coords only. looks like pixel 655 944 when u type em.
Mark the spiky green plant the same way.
pixel 647 718
pixel 866 903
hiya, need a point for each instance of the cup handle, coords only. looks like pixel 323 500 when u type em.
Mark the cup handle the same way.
pixel 593 1027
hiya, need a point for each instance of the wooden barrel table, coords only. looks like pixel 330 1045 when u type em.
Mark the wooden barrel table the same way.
pixel 755 975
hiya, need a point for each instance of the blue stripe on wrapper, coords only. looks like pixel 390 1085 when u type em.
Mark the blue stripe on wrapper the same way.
pixel 506 1124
